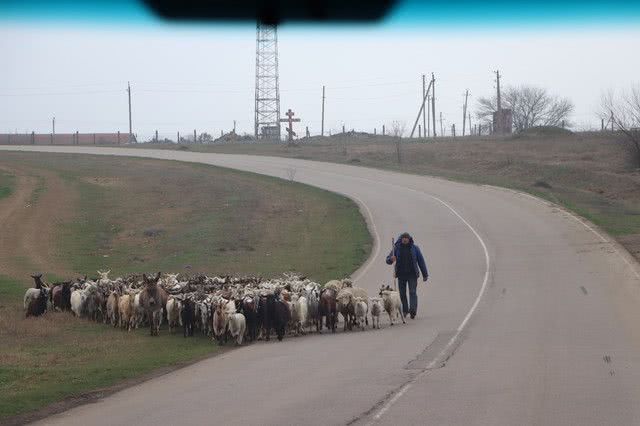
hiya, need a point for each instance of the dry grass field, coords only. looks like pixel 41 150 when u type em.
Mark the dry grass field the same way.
pixel 589 173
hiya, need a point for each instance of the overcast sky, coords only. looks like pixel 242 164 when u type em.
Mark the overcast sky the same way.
pixel 203 78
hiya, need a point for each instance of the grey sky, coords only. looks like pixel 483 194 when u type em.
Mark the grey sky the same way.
pixel 204 78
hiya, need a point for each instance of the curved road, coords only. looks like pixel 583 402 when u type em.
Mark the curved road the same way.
pixel 530 316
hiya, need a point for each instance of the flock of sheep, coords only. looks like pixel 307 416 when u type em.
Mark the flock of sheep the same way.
pixel 222 307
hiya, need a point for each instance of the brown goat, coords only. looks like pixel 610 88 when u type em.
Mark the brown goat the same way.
pixel 152 299
pixel 328 308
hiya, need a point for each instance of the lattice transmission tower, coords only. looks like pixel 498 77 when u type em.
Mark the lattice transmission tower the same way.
pixel 267 111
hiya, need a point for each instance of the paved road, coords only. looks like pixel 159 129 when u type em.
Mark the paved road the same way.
pixel 530 317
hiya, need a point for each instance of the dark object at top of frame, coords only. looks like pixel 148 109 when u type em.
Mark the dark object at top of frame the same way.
pixel 272 11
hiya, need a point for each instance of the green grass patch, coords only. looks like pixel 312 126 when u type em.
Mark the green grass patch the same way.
pixel 7 184
pixel 136 215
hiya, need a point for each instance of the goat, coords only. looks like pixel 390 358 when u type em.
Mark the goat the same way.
pixel 126 312
pixel 376 311
pixel 237 326
pixel 313 307
pixel 38 281
pixel 345 306
pixel 112 309
pixel 328 309
pixel 78 297
pixel 187 316
pixel 137 311
pixel 250 310
pixel 392 304
pixel 104 278
pixel 281 317
pixel 361 310
pixel 35 301
pixel 151 299
pixel 92 306
pixel 204 309
pixel 60 296
pixel 303 313
pixel 219 321
pixel 174 306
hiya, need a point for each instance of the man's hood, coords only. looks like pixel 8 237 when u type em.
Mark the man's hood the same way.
pixel 399 241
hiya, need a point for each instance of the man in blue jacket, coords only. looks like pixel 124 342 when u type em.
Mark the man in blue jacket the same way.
pixel 408 265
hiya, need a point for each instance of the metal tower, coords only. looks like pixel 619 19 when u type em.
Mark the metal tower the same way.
pixel 267 112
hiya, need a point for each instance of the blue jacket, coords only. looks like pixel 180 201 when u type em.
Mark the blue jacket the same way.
pixel 418 260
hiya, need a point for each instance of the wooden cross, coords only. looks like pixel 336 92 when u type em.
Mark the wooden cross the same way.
pixel 290 120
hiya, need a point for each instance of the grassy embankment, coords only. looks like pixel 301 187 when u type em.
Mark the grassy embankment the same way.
pixel 134 215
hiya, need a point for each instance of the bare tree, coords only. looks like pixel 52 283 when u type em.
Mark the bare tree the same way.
pixel 397 130
pixel 623 111
pixel 205 137
pixel 530 106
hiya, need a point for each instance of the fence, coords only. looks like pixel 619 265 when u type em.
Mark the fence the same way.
pixel 65 138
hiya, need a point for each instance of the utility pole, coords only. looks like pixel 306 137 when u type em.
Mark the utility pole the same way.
pixel 322 123
pixel 424 113
pixel 470 132
pixel 427 131
pixel 54 126
pixel 433 105
pixel 421 110
pixel 129 95
pixel 498 91
pixel 441 129
pixel 234 127
pixel 464 113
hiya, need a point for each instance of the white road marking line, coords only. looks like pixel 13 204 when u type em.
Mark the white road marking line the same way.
pixel 460 328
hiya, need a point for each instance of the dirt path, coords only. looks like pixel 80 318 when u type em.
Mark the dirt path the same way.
pixel 29 219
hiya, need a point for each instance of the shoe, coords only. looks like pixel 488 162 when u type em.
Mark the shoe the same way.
pixel 413 316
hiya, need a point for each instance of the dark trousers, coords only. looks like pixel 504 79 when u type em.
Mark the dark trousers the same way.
pixel 412 306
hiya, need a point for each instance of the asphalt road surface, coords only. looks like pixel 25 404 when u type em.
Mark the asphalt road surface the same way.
pixel 530 316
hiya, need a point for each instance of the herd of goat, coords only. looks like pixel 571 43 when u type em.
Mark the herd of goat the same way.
pixel 222 307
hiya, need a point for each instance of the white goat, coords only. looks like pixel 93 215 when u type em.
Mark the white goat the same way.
pixel 392 304
pixel 78 298
pixel 137 314
pixel 174 307
pixel 237 326
pixel 361 310
pixel 303 313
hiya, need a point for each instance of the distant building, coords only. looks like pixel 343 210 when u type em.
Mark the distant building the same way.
pixel 270 132
pixel 503 122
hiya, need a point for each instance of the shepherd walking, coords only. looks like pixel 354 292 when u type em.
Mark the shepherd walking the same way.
pixel 409 263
